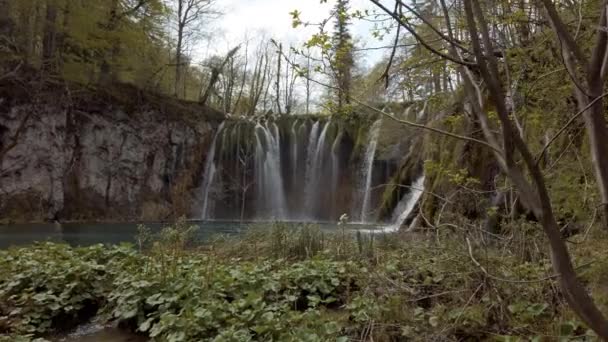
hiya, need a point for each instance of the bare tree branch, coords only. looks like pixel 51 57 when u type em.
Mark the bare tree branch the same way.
pixel 418 38
pixel 563 129
pixel 385 74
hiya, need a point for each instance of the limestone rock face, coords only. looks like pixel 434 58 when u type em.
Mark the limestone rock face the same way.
pixel 58 162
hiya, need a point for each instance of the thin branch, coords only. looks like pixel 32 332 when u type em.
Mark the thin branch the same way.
pixel 562 31
pixel 572 119
pixel 596 65
pixel 386 47
pixel 515 281
pixel 14 140
pixel 12 73
pixel 385 75
pixel 130 11
pixel 535 82
pixel 428 128
pixel 449 39
pixel 406 122
pixel 411 187
pixel 418 38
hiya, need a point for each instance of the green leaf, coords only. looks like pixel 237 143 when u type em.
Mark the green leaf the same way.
pixel 145 326
pixel 567 328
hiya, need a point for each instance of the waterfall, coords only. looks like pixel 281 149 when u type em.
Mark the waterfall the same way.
pixel 335 169
pixel 368 167
pixel 289 169
pixel 311 149
pixel 422 111
pixel 407 204
pixel 269 177
pixel 315 173
pixel 299 191
pixel 209 174
pixel 294 153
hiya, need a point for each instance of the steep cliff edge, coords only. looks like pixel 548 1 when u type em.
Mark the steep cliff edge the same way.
pixel 76 153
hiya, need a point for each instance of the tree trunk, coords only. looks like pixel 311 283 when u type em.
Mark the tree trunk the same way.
pixel 587 89
pixel 178 59
pixel 534 194
pixel 597 130
pixel 215 75
pixel 278 82
pixel 61 37
pixel 308 83
pixel 107 72
pixel 243 81
pixel 27 33
pixel 49 42
pixel 7 24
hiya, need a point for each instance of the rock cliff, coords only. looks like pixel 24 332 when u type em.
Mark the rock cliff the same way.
pixel 80 154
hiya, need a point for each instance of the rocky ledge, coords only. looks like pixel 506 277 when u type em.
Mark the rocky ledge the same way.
pixel 73 153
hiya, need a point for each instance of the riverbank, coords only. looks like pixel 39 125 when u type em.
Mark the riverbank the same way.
pixel 89 233
pixel 293 285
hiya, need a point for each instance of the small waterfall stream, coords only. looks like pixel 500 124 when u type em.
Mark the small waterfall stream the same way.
pixel 316 169
pixel 272 203
pixel 335 167
pixel 407 204
pixel 210 170
pixel 294 152
pixel 368 167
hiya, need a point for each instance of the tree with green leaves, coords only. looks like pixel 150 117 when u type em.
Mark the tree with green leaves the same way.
pixel 484 68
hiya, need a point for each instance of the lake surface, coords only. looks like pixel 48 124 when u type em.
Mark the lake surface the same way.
pixel 86 234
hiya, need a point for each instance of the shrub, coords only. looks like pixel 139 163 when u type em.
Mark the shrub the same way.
pixel 52 286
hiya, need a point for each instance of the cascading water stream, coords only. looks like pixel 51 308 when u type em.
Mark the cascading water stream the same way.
pixel 422 111
pixel 407 204
pixel 335 170
pixel 209 174
pixel 291 170
pixel 294 151
pixel 311 148
pixel 268 173
pixel 315 172
pixel 368 166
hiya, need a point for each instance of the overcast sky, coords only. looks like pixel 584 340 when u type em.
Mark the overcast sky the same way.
pixel 253 18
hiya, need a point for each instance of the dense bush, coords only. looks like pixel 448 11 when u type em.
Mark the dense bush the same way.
pixel 200 299
pixel 50 286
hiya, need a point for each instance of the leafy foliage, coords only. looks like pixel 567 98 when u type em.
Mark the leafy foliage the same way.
pixel 406 288
pixel 49 286
pixel 86 41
